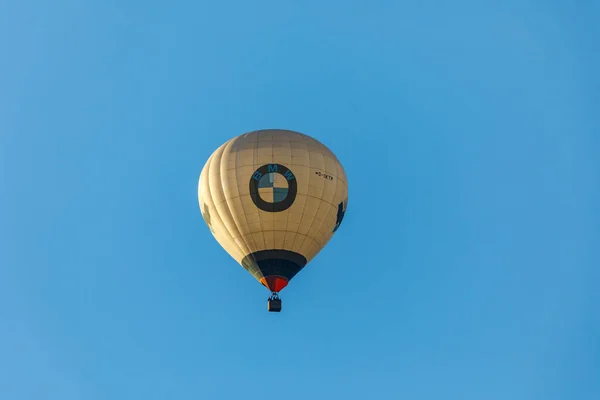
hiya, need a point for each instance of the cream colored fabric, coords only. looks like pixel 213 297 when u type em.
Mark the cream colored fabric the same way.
pixel 240 226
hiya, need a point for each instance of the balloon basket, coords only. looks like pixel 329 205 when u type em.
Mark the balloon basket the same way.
pixel 274 303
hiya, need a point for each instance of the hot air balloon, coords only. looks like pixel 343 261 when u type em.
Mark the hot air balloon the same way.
pixel 273 199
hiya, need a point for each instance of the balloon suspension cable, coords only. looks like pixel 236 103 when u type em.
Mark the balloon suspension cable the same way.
pixel 274 296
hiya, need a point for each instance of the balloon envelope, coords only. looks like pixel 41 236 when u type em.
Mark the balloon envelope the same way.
pixel 273 199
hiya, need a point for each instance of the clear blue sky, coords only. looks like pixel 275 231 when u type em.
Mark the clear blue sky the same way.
pixel 467 264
